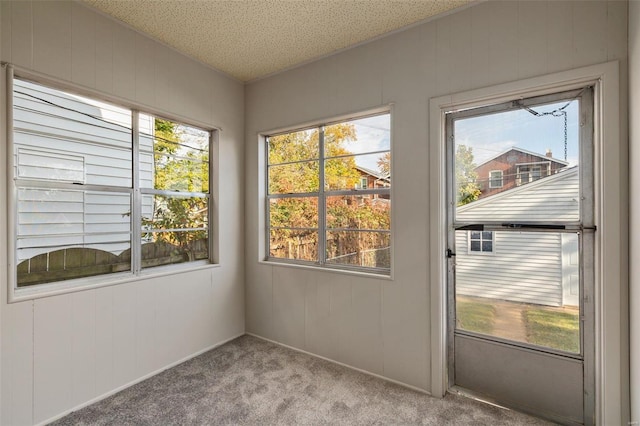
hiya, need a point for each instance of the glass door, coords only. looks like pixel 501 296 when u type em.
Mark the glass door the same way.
pixel 520 249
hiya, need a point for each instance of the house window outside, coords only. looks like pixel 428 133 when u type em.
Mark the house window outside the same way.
pixel 531 172
pixel 320 210
pixel 101 189
pixel 495 179
pixel 481 242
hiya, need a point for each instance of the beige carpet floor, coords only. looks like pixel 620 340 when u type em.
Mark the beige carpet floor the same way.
pixel 253 382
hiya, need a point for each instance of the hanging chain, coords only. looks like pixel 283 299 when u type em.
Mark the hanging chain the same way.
pixel 560 112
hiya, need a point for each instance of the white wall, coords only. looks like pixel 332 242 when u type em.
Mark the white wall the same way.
pixel 60 352
pixel 634 231
pixel 383 326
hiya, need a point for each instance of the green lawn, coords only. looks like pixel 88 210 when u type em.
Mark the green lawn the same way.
pixel 475 316
pixel 553 329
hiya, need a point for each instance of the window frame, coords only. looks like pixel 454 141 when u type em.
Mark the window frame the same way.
pixel 481 252
pixel 136 272
pixel 322 194
pixel 491 180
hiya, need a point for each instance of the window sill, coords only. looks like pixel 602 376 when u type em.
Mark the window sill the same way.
pixel 91 283
pixel 329 269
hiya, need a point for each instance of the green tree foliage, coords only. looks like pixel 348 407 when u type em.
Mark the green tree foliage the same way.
pixel 466 177
pixel 181 164
pixel 301 213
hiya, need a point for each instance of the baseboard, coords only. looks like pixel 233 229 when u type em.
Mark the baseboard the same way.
pixel 369 373
pixel 136 381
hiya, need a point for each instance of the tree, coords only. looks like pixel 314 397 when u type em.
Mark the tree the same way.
pixel 300 176
pixel 466 177
pixel 384 164
pixel 181 164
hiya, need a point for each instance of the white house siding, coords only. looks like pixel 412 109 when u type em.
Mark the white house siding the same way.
pixel 53 144
pixel 524 267
pixel 554 198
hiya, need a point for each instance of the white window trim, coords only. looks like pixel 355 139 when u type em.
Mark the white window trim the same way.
pixel 611 260
pixel 481 252
pixel 491 186
pixel 263 252
pixel 15 294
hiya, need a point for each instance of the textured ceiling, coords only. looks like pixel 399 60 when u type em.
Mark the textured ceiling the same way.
pixel 249 39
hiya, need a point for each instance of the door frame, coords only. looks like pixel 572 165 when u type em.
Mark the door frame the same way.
pixel 611 255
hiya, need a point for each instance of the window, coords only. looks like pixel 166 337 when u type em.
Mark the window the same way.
pixel 531 172
pixel 101 189
pixel 495 179
pixel 320 209
pixel 481 241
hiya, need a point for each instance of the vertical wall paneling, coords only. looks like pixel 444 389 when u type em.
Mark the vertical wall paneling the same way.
pixel 590 33
pixel 5 29
pixel 124 63
pixel 559 40
pixel 60 352
pixel 104 55
pixel 289 286
pixel 503 51
pixel 532 19
pixel 634 231
pixel 83 350
pixel 105 348
pixel 145 318
pixel 489 43
pixel 480 29
pixel 52 38
pixel 53 355
pixel 17 363
pixel 145 70
pixel 83 45
pixel 21 33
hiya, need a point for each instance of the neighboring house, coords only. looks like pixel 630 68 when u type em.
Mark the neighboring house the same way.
pixel 371 179
pixel 515 167
pixel 66 138
pixel 531 267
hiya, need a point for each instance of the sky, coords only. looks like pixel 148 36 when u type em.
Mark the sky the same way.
pixel 490 135
pixel 373 134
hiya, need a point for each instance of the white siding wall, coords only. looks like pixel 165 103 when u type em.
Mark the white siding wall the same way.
pixel 383 326
pixel 524 267
pixel 59 352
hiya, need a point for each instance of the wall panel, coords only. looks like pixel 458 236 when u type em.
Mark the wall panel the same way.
pixel 60 352
pixel 489 43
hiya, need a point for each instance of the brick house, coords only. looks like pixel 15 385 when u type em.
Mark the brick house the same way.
pixel 513 168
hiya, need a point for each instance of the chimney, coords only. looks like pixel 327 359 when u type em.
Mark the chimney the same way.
pixel 549 154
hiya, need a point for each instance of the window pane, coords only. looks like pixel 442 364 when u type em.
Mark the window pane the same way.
pixel 487 235
pixel 169 247
pixel 294 146
pixel 529 293
pixel 63 137
pixel 349 172
pixel 173 156
pixel 475 235
pixel 366 249
pixel 540 167
pixel 293 212
pixel 369 211
pixel 487 246
pixel 359 136
pixel 294 244
pixel 294 178
pixel 177 232
pixel 475 245
pixel 65 234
